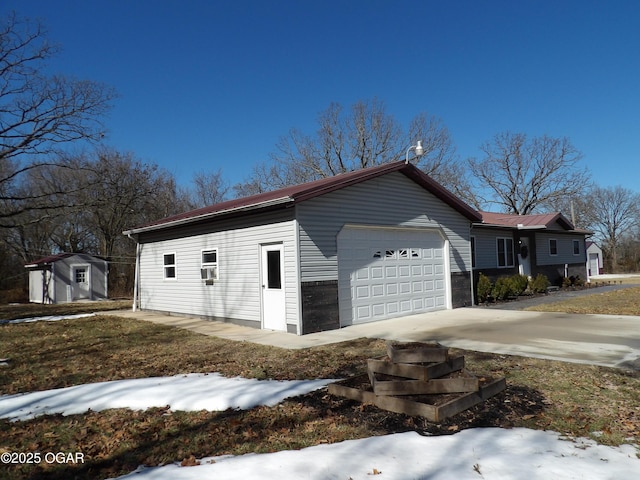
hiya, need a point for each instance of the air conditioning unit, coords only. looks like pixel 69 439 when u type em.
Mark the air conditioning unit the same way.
pixel 209 274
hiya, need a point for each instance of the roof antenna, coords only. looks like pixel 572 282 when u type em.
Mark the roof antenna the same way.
pixel 418 148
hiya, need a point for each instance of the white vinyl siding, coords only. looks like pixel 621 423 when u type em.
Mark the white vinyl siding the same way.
pixel 405 204
pixel 237 293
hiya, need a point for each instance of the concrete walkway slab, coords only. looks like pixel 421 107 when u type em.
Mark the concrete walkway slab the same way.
pixel 608 340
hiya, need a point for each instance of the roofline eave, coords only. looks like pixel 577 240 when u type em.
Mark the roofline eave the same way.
pixel 205 216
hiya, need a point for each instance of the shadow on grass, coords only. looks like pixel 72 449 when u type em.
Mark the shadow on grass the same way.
pixel 118 443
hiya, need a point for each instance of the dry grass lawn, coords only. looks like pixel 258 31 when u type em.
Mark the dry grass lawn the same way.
pixel 620 302
pixel 570 398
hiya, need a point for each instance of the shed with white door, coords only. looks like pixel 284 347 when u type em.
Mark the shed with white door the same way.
pixel 594 259
pixel 67 277
pixel 362 246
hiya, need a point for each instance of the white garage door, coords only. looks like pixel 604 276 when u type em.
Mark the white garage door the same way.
pixel 385 273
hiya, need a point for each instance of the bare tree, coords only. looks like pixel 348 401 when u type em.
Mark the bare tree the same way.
pixel 38 113
pixel 527 175
pixel 614 213
pixel 346 140
pixel 209 188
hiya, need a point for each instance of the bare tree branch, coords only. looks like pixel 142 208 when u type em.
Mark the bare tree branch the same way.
pixel 525 176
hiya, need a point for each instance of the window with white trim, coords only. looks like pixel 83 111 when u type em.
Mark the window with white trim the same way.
pixel 576 247
pixel 169 261
pixel 553 246
pixel 209 264
pixel 504 247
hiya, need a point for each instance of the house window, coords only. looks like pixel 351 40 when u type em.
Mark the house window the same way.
pixel 576 247
pixel 553 246
pixel 473 252
pixel 209 267
pixel 169 265
pixel 505 252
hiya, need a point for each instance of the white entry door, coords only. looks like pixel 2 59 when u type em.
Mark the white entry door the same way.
pixel 594 264
pixel 81 281
pixel 272 285
pixel 524 257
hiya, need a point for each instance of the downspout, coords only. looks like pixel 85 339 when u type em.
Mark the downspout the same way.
pixel 136 275
pixel 473 297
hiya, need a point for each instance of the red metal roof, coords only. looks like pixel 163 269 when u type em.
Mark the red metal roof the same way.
pixel 54 258
pixel 49 259
pixel 305 191
pixel 543 220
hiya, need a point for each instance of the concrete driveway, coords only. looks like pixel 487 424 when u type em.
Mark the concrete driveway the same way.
pixel 607 340
pixel 595 339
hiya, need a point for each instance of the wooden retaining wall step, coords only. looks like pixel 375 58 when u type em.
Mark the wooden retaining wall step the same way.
pixel 417 352
pixel 389 385
pixel 434 408
pixel 420 371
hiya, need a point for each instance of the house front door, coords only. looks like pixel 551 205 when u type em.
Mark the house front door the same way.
pixel 272 285
pixel 524 257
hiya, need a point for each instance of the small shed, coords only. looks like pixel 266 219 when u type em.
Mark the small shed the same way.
pixel 594 259
pixel 67 277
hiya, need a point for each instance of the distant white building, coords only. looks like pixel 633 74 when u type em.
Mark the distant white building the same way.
pixel 67 277
pixel 594 259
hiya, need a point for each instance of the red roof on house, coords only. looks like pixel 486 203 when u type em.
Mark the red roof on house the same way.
pixel 543 220
pixel 298 193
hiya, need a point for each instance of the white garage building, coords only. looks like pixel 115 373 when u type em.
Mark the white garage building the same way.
pixel 363 246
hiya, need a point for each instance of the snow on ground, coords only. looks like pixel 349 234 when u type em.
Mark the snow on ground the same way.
pixel 481 453
pixel 48 318
pixel 192 392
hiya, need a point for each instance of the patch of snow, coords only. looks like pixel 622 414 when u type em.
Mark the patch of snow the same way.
pixel 48 318
pixel 482 453
pixel 192 392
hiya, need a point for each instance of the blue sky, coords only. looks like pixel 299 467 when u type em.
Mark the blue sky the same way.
pixel 214 84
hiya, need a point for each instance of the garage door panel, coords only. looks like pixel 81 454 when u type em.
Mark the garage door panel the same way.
pixel 363 274
pixel 378 309
pixel 393 272
pixel 362 291
pixel 377 290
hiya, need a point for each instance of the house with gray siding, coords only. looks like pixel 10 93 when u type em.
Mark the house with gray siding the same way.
pixel 549 244
pixel 67 277
pixel 362 246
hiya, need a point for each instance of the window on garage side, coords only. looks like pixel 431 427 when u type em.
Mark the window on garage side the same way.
pixel 505 252
pixel 209 264
pixel 169 260
pixel 553 246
